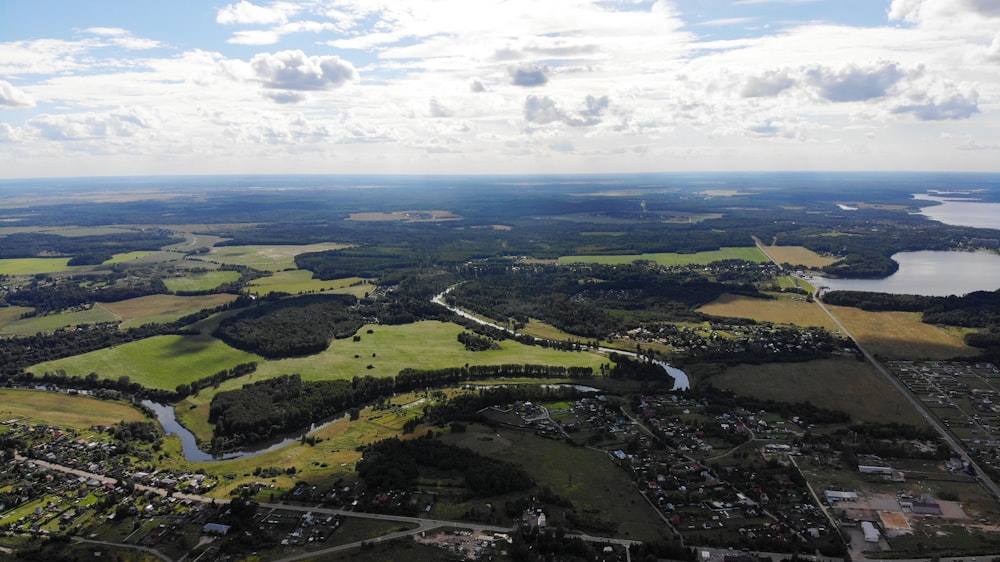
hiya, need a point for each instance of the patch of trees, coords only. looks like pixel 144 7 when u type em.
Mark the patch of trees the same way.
pixel 86 248
pixel 890 440
pixel 639 369
pixel 273 407
pixel 292 327
pixel 52 295
pixel 241 370
pixel 144 431
pixel 473 342
pixel 395 464
pixel 591 301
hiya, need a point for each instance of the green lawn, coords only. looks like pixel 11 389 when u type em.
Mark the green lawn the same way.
pixel 158 362
pixel 299 281
pixel 204 281
pixel 748 254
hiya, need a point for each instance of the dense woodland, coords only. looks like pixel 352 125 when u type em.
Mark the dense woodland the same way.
pixel 292 326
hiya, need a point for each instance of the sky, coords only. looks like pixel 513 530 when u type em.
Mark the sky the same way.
pixel 119 87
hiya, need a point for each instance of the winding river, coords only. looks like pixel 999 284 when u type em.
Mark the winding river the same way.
pixel 189 445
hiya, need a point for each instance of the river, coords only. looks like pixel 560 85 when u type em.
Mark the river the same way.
pixel 189 445
pixel 681 380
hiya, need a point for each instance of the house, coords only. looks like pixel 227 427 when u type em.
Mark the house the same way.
pixel 926 508
pixel 834 496
pixel 215 529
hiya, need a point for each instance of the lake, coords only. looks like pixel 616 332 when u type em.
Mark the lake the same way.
pixel 936 274
pixel 961 212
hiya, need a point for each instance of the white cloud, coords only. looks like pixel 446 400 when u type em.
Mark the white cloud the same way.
pixel 10 96
pixel 529 75
pixel 294 70
pixel 768 84
pixel 124 122
pixel 855 83
pixel 541 110
pixel 943 105
pixel 244 12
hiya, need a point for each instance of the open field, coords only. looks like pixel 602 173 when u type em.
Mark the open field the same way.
pixel 844 384
pixel 157 362
pixel 786 309
pixel 405 216
pixel 586 477
pixel 161 308
pixel 301 281
pixel 901 335
pixel 50 322
pixel 202 281
pixel 423 345
pixel 63 410
pixel 798 255
pixel 267 258
pixel 748 254
pixel 31 266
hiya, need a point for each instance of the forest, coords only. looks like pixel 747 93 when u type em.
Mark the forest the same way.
pixel 292 326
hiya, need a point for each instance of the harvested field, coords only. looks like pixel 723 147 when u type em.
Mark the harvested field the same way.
pixel 798 255
pixel 783 310
pixel 902 335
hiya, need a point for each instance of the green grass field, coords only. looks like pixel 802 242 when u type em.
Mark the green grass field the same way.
pixel 423 345
pixel 266 258
pixel 204 281
pixel 50 322
pixel 748 254
pixel 32 266
pixel 158 362
pixel 301 281
pixel 63 410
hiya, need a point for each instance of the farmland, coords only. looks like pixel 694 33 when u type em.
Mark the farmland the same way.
pixel 786 309
pixel 201 281
pixel 901 335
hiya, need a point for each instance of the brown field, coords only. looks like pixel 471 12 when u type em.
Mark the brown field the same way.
pixel 405 216
pixel 157 305
pixel 842 383
pixel 798 255
pixel 784 310
pixel 901 335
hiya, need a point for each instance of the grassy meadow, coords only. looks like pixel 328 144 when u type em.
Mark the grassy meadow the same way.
pixel 667 259
pixel 157 362
pixel 843 383
pixel 202 281
pixel 786 309
pixel 265 258
pixel 300 281
pixel 63 410
pixel 33 266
